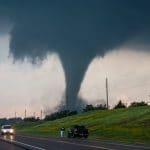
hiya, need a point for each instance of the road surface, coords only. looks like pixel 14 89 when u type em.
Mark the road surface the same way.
pixel 7 146
pixel 37 143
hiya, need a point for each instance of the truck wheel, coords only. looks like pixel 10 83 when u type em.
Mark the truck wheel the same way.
pixel 73 136
pixel 85 136
pixel 69 136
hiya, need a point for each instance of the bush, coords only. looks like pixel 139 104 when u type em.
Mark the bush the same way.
pixel 31 119
pixel 91 107
pixel 58 115
pixel 88 108
pixel 101 107
pixel 136 104
pixel 120 105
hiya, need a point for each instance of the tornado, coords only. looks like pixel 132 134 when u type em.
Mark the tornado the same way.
pixel 76 30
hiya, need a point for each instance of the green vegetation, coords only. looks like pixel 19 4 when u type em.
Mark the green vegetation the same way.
pixel 137 104
pixel 58 115
pixel 91 107
pixel 125 124
pixel 120 105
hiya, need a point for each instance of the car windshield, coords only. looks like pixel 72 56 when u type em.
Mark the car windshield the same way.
pixel 7 127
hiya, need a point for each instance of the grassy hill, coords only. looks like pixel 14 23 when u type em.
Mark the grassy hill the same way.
pixel 129 125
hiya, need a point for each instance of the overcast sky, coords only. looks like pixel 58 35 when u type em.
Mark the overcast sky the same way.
pixel 24 85
pixel 41 86
pixel 128 74
pixel 56 54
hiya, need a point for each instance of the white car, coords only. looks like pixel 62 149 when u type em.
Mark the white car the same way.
pixel 7 129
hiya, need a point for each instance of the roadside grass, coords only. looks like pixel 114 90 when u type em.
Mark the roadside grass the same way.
pixel 130 125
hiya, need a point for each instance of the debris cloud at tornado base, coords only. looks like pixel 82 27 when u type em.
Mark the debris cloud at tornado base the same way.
pixel 77 31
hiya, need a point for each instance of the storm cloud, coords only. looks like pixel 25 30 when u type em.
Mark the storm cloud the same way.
pixel 76 30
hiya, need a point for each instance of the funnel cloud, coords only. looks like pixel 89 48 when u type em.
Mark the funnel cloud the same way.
pixel 77 31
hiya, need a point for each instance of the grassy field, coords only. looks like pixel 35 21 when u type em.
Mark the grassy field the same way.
pixel 129 125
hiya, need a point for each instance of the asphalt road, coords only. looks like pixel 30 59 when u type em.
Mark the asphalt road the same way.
pixel 7 146
pixel 38 143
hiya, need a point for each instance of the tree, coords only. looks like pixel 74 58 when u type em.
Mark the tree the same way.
pixel 101 107
pixel 88 108
pixel 91 107
pixel 136 104
pixel 31 119
pixel 60 114
pixel 120 105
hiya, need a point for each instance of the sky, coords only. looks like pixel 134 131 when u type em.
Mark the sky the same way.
pixel 42 86
pixel 128 74
pixel 56 54
pixel 27 86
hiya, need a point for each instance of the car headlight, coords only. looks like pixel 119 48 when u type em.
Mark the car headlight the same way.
pixel 11 130
pixel 4 131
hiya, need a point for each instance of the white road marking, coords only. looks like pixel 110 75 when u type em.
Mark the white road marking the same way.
pixel 71 143
pixel 119 144
pixel 23 144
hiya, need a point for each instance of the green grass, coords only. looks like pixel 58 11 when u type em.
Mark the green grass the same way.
pixel 128 125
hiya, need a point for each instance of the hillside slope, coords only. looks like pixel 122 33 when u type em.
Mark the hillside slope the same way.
pixel 130 125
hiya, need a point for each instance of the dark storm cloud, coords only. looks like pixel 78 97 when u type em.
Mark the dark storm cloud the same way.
pixel 77 30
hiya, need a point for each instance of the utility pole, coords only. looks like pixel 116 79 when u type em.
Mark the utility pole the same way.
pixel 25 113
pixel 41 114
pixel 34 114
pixel 107 93
pixel 15 115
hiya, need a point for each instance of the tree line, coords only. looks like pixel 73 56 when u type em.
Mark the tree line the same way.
pixel 90 107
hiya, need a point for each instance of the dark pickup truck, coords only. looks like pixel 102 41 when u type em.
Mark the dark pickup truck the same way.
pixel 78 131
